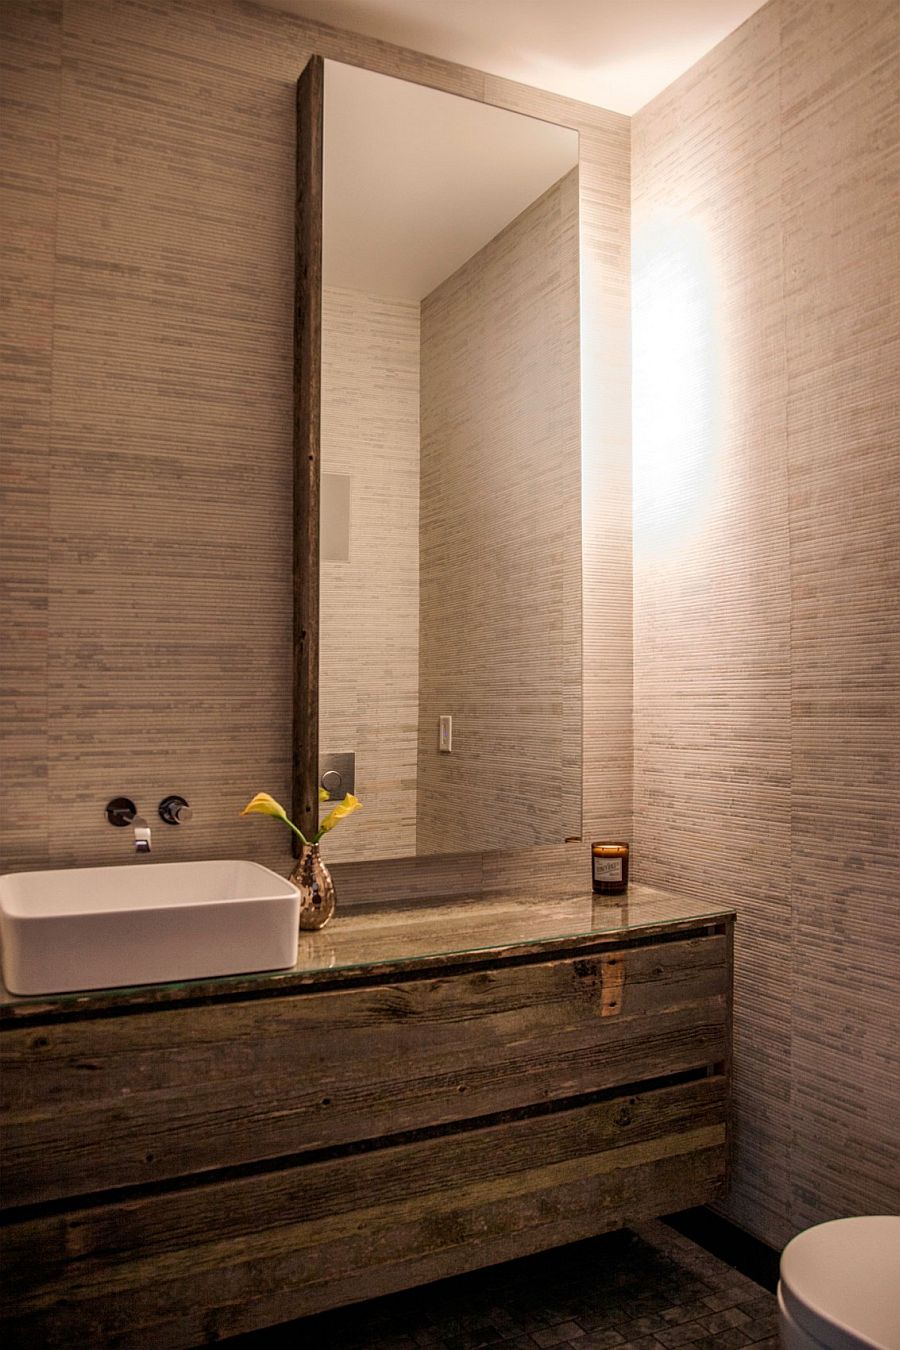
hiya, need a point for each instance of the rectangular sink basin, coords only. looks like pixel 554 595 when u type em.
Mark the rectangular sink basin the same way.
pixel 147 923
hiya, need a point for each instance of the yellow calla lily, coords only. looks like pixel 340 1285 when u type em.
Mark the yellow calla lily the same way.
pixel 265 806
pixel 344 808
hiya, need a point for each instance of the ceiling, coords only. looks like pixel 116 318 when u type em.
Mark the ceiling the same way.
pixel 416 181
pixel 616 54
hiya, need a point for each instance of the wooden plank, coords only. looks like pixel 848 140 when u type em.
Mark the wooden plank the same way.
pixel 111 1102
pixel 307 404
pixel 386 939
pixel 204 1262
pixel 266 1296
pixel 612 969
pixel 400 63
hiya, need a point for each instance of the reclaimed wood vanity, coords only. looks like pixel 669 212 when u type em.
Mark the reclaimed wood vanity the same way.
pixel 432 1088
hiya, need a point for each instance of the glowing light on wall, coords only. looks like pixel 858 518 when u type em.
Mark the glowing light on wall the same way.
pixel 677 384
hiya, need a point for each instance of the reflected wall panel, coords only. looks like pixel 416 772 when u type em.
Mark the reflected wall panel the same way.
pixel 369 606
pixel 499 628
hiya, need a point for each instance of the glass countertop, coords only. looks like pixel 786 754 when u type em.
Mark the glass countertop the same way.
pixel 366 940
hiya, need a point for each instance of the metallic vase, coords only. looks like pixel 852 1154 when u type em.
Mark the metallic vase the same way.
pixel 313 880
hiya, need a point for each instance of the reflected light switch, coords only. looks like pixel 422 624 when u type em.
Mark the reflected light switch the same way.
pixel 445 733
pixel 334 517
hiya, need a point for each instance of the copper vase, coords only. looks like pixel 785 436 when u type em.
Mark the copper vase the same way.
pixel 313 880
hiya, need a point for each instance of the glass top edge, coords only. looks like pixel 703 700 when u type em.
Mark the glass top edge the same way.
pixel 341 951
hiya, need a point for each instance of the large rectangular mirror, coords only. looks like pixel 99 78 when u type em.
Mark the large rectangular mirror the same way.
pixel 449 633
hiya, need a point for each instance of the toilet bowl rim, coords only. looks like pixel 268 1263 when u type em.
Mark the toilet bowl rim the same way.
pixel 828 1332
pixel 814 1314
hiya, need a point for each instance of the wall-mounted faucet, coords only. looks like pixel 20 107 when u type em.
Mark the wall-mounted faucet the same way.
pixel 141 835
pixel 121 811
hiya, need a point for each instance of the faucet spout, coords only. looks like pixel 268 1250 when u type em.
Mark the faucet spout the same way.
pixel 141 835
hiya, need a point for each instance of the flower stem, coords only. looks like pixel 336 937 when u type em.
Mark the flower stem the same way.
pixel 302 837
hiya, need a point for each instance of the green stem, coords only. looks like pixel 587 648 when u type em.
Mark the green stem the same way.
pixel 302 837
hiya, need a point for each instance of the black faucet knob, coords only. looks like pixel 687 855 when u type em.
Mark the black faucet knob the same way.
pixel 120 811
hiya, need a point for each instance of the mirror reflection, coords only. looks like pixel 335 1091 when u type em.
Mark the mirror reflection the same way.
pixel 450 614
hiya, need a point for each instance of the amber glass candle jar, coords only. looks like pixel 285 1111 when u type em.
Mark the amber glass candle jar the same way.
pixel 609 868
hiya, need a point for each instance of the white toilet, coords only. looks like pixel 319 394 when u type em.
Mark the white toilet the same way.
pixel 840 1286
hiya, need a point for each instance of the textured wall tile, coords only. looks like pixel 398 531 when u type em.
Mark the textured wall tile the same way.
pixel 499 631
pixel 155 651
pixel 369 616
pixel 712 568
pixel 408 879
pixel 30 63
pixel 171 480
pixel 841 147
pixel 766 575
pixel 606 584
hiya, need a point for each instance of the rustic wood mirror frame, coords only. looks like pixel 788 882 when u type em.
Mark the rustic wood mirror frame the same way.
pixel 307 404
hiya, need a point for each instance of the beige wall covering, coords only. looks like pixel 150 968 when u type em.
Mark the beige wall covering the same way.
pixel 148 184
pixel 498 636
pixel 369 605
pixel 500 616
pixel 766 574
pixel 149 180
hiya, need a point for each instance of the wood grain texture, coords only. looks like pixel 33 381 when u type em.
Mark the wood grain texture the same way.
pixel 170 1092
pixel 152 561
pixel 307 446
pixel 500 612
pixel 176 1174
pixel 766 575
pixel 378 941
pixel 293 1242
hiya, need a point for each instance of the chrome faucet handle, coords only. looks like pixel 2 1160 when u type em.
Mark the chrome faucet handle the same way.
pixel 121 811
pixel 141 835
pixel 175 810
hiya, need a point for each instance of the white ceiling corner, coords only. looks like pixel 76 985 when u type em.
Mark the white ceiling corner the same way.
pixel 417 181
pixel 616 54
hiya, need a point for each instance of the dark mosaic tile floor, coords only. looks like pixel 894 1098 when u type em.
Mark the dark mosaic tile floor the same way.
pixel 646 1288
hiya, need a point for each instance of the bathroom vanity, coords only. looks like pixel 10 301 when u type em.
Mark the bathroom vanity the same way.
pixel 432 1088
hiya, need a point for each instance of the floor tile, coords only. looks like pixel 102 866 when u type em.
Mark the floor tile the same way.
pixel 646 1288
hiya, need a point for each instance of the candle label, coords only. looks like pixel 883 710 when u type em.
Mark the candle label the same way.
pixel 607 869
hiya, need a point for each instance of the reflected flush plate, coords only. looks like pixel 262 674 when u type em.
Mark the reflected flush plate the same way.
pixel 102 927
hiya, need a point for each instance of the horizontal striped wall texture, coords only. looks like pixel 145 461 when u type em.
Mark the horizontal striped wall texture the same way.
pixel 147 196
pixel 767 571
pixel 500 615
pixel 369 604
pixel 148 185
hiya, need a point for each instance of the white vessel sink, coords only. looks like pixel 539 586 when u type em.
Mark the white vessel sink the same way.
pixel 147 923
